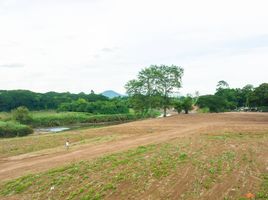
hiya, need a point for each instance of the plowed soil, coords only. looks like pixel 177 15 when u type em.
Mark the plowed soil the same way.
pixel 155 131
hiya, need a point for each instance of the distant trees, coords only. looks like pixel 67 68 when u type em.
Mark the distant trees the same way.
pixel 260 95
pixel 187 104
pixel 177 104
pixel 183 104
pixel 11 99
pixel 213 102
pixel 222 85
pixel 153 87
pixel 226 99
pixel 116 106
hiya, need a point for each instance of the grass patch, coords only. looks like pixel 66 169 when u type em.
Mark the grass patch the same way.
pixel 237 135
pixel 263 193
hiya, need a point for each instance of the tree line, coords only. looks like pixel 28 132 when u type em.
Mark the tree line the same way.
pixel 155 87
pixel 11 99
pixel 248 98
pixel 114 106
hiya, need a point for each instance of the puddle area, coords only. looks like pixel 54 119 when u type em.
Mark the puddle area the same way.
pixel 71 127
pixel 51 129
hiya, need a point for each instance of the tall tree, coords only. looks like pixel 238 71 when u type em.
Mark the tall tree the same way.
pixel 154 82
pixel 222 85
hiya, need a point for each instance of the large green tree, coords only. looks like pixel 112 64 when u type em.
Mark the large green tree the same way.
pixel 260 95
pixel 155 85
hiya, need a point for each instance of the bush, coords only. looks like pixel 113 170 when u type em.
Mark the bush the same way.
pixel 263 108
pixel 14 129
pixel 213 102
pixel 22 115
pixel 203 110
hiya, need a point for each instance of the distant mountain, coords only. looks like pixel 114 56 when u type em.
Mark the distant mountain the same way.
pixel 111 94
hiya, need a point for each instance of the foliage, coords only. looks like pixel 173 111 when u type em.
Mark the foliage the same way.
pixel 227 99
pixel 222 85
pixel 22 115
pixel 213 102
pixel 153 87
pixel 187 104
pixel 115 106
pixel 178 106
pixel 260 95
pixel 183 104
pixel 203 110
pixel 13 129
pixel 11 99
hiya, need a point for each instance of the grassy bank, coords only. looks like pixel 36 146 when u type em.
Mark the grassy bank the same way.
pixel 13 129
pixel 59 119
pixel 53 118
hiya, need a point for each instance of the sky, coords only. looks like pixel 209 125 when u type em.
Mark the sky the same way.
pixel 84 45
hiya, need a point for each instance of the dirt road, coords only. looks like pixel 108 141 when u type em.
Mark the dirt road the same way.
pixel 135 134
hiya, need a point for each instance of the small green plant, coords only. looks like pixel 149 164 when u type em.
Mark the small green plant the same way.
pixel 263 193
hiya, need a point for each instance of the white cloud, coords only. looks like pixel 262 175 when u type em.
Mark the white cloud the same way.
pixel 83 45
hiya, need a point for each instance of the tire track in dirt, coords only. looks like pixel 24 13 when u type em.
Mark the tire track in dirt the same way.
pixel 15 167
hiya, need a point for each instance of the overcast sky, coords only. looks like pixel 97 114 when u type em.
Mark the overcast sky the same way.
pixel 79 45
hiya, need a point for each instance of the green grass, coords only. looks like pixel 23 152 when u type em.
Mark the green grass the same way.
pixel 263 193
pixel 203 110
pixel 236 135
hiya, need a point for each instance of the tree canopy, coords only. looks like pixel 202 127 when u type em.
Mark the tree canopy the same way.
pixel 154 86
pixel 226 98
pixel 11 99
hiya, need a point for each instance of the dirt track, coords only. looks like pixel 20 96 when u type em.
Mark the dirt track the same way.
pixel 136 134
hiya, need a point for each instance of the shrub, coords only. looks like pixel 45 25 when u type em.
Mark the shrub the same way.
pixel 22 115
pixel 263 108
pixel 203 110
pixel 14 129
pixel 213 102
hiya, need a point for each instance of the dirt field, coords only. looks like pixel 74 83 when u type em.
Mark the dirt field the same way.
pixel 196 156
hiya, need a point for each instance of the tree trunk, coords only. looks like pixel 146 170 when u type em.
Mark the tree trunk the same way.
pixel 165 111
pixel 186 111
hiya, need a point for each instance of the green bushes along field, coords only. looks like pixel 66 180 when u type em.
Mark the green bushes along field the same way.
pixel 13 129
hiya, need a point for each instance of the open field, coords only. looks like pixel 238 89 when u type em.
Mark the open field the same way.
pixel 197 156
